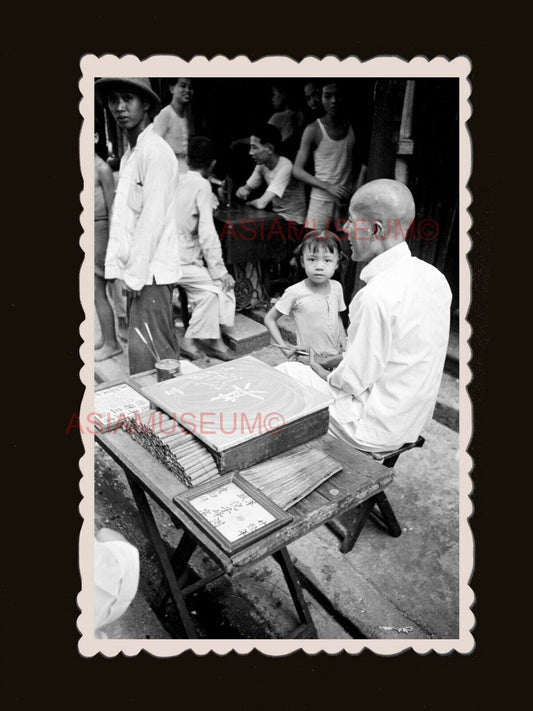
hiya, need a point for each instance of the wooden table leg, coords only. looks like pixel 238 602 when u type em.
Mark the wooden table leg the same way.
pixel 179 560
pixel 349 525
pixel 387 515
pixel 308 628
pixel 168 571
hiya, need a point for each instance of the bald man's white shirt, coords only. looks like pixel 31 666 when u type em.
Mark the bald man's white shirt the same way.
pixel 386 386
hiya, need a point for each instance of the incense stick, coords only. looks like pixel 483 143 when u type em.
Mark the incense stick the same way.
pixel 290 348
pixel 151 339
pixel 143 339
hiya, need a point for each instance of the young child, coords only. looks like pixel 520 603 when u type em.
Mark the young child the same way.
pixel 173 121
pixel 315 302
pixel 209 287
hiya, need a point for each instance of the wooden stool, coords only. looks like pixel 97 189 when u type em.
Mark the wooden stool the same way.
pixel 349 525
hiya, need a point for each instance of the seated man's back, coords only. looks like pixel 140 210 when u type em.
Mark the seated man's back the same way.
pixel 404 312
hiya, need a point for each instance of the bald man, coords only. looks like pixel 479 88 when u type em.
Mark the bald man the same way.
pixel 386 384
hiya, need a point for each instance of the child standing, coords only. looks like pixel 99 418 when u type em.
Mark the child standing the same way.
pixel 315 302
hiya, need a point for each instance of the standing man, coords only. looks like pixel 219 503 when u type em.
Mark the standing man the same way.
pixel 385 385
pixel 313 99
pixel 143 244
pixel 330 143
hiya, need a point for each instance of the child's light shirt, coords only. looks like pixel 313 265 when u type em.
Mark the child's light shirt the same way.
pixel 316 316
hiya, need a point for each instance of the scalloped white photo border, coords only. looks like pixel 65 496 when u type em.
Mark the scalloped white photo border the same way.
pixel 271 66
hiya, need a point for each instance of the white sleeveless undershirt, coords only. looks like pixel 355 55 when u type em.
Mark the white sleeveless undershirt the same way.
pixel 333 161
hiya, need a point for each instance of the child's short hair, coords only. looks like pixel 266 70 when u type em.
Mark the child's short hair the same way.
pixel 317 240
pixel 201 152
pixel 267 133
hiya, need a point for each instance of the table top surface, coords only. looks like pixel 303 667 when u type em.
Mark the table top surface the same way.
pixel 240 211
pixel 360 479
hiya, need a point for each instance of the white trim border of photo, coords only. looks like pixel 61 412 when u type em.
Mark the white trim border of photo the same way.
pixel 93 67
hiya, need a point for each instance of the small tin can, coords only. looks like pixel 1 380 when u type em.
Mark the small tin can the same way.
pixel 167 368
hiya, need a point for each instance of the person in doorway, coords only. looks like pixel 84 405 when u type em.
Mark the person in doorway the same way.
pixel 173 122
pixel 330 142
pixel 287 119
pixel 313 100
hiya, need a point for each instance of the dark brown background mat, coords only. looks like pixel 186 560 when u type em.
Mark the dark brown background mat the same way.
pixel 40 150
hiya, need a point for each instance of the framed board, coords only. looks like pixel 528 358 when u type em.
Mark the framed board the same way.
pixel 232 512
pixel 114 402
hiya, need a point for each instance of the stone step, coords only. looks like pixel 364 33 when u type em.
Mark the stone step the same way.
pixel 285 324
pixel 246 335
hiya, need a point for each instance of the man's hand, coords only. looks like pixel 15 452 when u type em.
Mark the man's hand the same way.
pixel 126 290
pixel 339 192
pixel 242 193
pixel 227 282
pixel 330 362
pixel 319 370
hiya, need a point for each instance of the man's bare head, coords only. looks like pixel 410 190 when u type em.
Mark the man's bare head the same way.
pixel 381 213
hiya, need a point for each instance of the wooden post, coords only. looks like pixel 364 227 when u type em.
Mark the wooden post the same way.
pixel 405 141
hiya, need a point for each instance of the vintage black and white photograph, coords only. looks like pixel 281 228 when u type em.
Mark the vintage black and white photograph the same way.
pixel 275 290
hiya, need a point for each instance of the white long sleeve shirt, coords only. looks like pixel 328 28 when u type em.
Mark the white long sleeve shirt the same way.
pixel 387 383
pixel 197 235
pixel 143 242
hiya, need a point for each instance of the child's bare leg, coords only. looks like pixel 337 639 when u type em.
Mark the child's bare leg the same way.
pixel 110 346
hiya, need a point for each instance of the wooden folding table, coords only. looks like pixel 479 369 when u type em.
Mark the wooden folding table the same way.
pixel 360 480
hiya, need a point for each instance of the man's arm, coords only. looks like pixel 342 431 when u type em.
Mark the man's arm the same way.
pixel 254 181
pixel 157 174
pixel 161 123
pixel 276 187
pixel 307 146
pixel 264 201
pixel 368 349
pixel 270 322
pixel 107 181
